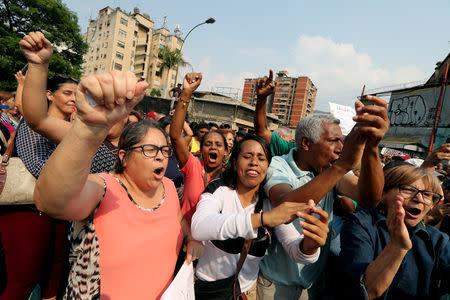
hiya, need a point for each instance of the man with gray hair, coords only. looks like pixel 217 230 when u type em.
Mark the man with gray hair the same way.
pixel 312 170
pixel 284 133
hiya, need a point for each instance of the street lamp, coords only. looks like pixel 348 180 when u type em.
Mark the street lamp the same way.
pixel 210 20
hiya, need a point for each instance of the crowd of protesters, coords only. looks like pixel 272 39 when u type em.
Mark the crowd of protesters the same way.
pixel 122 199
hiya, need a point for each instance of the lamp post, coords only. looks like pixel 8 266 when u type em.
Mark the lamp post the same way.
pixel 210 20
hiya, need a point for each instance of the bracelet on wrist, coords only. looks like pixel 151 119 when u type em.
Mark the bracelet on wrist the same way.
pixel 266 231
pixel 185 102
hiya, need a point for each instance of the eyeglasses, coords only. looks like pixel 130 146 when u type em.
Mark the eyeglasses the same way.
pixel 409 191
pixel 151 151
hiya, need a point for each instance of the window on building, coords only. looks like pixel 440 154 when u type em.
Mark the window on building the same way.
pixel 123 22
pixel 117 67
pixel 158 71
pixel 132 53
pixel 105 45
pixel 121 44
pixel 119 55
pixel 134 43
pixel 122 33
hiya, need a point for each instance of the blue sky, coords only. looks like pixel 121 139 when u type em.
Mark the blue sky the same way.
pixel 340 45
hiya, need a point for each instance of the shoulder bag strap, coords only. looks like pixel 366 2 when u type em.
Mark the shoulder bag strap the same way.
pixel 243 256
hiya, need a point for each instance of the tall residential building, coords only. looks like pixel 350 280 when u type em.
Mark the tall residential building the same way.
pixel 157 76
pixel 119 41
pixel 294 97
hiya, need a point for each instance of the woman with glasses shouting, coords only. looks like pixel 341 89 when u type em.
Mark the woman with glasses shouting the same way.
pixel 389 252
pixel 129 228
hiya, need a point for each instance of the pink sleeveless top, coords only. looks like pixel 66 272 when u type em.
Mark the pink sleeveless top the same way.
pixel 138 249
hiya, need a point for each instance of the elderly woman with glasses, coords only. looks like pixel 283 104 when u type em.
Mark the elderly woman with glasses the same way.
pixel 389 252
pixel 128 227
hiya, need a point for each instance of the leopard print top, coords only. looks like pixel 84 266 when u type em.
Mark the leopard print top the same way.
pixel 84 276
pixel 84 254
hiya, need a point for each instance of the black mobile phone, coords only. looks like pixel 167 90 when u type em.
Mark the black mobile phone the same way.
pixel 364 100
pixel 363 97
pixel 24 69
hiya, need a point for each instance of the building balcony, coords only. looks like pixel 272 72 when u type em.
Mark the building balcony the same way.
pixel 138 68
pixel 142 42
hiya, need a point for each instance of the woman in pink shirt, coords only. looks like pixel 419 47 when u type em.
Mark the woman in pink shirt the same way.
pixel 128 228
pixel 213 147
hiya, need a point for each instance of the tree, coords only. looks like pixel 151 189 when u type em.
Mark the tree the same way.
pixel 55 20
pixel 155 93
pixel 170 60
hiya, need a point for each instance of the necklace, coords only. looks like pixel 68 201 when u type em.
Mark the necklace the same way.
pixel 135 203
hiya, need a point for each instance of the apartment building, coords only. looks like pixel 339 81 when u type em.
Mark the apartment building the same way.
pixel 294 97
pixel 119 41
pixel 157 76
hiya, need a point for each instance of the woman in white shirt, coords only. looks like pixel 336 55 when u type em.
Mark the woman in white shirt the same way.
pixel 235 208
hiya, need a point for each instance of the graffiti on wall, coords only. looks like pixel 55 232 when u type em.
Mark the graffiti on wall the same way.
pixel 408 110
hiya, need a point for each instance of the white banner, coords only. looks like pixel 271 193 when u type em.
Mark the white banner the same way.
pixel 344 114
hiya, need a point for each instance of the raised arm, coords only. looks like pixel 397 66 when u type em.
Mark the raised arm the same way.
pixel 190 84
pixel 440 153
pixel 38 51
pixel 376 121
pixel 19 91
pixel 264 87
pixel 188 133
pixel 65 190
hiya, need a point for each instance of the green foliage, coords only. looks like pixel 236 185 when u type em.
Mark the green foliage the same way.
pixel 55 20
pixel 170 59
pixel 155 93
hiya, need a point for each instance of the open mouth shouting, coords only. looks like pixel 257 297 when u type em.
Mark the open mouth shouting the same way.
pixel 413 212
pixel 159 173
pixel 212 157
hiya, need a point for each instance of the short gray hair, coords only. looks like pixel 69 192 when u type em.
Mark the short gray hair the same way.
pixel 282 131
pixel 311 127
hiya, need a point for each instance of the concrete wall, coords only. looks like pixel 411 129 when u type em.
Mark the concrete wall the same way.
pixel 412 113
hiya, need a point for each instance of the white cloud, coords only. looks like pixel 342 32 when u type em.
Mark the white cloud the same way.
pixel 339 71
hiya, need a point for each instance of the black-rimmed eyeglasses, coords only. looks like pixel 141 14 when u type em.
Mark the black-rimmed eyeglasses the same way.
pixel 151 151
pixel 410 191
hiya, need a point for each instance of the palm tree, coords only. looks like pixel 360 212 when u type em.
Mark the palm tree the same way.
pixel 170 60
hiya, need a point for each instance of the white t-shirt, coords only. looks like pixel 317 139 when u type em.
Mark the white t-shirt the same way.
pixel 220 216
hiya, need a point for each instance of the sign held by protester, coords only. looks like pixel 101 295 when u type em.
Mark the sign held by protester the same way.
pixel 344 114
